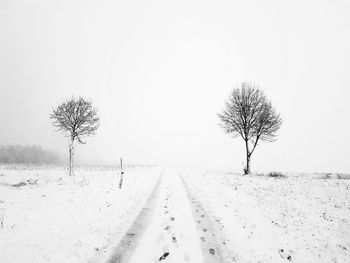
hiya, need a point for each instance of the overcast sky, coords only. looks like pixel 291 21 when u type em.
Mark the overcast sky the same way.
pixel 160 71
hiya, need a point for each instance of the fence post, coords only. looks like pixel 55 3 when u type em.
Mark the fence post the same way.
pixel 121 173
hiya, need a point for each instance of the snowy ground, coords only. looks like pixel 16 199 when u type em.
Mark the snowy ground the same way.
pixel 172 216
pixel 66 219
pixel 301 218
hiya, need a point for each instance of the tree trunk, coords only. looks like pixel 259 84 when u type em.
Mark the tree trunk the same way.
pixel 71 158
pixel 248 164
pixel 247 168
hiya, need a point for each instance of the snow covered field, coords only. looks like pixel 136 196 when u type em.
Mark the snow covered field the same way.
pixel 171 216
pixel 301 218
pixel 56 218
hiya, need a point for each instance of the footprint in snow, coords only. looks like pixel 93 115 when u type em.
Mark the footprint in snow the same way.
pixel 164 256
pixel 282 254
pixel 186 257
pixel 212 251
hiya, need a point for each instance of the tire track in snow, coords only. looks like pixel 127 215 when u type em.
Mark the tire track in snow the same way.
pixel 128 243
pixel 172 236
pixel 209 237
pixel 173 226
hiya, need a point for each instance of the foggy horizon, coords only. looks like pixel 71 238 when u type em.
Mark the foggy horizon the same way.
pixel 159 73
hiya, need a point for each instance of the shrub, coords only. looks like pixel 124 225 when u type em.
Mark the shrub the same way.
pixel 327 176
pixel 276 174
pixel 343 176
pixel 28 182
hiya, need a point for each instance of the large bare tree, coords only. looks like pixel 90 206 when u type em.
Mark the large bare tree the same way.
pixel 76 118
pixel 250 115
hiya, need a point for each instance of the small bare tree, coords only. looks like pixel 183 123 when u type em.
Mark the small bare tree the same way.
pixel 77 118
pixel 248 114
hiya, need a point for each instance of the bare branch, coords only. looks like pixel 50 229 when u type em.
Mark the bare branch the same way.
pixel 77 118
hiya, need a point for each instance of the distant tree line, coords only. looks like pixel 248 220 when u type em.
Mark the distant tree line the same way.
pixel 28 155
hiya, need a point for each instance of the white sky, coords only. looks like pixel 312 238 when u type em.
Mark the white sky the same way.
pixel 159 72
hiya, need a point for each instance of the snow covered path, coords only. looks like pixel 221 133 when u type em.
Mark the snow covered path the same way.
pixel 166 229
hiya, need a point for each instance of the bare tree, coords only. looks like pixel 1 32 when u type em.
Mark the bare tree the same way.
pixel 77 118
pixel 250 115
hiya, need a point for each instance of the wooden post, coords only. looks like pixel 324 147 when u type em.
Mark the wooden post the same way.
pixel 121 173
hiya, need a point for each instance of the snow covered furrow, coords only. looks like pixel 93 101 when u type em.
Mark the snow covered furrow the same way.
pixel 212 243
pixel 126 246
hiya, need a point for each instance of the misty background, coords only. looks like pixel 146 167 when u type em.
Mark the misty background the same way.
pixel 160 71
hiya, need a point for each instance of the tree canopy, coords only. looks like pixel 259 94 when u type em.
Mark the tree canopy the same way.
pixel 77 118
